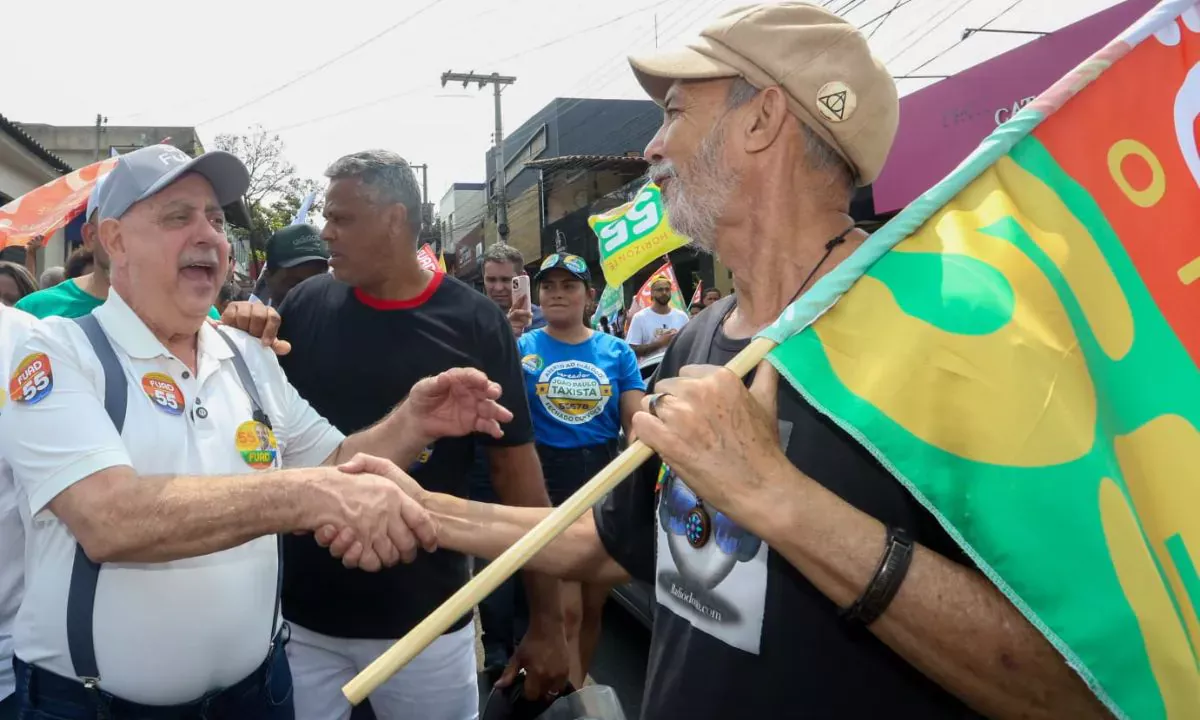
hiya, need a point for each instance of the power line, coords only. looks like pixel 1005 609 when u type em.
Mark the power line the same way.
pixel 850 6
pixel 605 68
pixel 418 88
pixel 565 38
pixel 346 111
pixel 961 6
pixel 327 63
pixel 1001 14
pixel 884 18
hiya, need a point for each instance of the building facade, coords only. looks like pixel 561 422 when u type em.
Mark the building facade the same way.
pixel 25 165
pixel 564 127
pixel 80 145
pixel 461 211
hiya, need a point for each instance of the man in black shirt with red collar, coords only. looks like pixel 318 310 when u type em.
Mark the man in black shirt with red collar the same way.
pixel 361 338
pixel 764 526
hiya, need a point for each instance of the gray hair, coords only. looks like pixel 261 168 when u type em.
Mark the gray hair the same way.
pixel 389 178
pixel 818 154
pixel 501 253
pixel 52 276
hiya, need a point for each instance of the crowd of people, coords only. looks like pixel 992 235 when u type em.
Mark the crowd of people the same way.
pixel 231 518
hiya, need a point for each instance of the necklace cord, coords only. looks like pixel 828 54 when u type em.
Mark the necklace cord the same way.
pixel 829 246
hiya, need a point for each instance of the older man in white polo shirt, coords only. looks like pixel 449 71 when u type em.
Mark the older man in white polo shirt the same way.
pixel 150 448
pixel 14 326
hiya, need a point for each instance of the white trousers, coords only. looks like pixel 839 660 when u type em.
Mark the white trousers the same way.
pixel 439 684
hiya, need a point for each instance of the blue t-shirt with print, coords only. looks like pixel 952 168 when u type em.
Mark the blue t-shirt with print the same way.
pixel 575 390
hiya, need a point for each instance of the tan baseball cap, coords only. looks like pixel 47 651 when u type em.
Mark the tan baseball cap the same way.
pixel 833 83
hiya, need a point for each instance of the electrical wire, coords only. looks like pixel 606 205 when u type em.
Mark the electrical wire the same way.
pixel 884 18
pixel 961 6
pixel 616 61
pixel 1001 14
pixel 574 35
pixel 850 6
pixel 431 85
pixel 327 63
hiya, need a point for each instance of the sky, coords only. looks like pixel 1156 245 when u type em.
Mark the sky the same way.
pixel 334 78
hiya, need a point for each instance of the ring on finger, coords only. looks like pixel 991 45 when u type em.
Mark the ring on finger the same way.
pixel 654 400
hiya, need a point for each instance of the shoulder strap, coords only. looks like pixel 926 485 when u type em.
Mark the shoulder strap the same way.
pixel 116 395
pixel 85 574
pixel 259 414
pixel 247 380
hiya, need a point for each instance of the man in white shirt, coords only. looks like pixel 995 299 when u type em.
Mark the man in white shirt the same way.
pixel 148 448
pixel 652 329
pixel 14 325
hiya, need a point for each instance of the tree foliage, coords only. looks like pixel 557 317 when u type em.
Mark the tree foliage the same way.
pixel 276 188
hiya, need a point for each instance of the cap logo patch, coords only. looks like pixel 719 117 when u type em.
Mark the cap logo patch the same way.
pixel 836 101
pixel 172 158
pixel 575 263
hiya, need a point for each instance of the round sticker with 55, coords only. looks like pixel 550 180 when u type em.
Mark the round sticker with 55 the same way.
pixel 163 392
pixel 32 380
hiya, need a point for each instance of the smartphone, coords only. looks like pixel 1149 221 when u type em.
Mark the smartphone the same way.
pixel 520 292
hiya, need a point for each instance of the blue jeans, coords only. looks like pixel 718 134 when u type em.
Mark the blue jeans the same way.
pixel 568 469
pixel 266 694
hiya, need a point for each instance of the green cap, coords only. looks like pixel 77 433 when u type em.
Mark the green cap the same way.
pixel 295 244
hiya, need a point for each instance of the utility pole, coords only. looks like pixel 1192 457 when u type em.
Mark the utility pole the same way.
pixel 498 81
pixel 99 119
pixel 425 221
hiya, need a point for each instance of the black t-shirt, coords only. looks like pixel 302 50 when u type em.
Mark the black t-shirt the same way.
pixel 354 358
pixel 738 631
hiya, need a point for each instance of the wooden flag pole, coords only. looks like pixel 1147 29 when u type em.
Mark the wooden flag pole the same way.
pixel 515 557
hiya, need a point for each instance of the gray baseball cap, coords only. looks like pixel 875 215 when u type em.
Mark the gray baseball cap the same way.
pixel 94 199
pixel 145 171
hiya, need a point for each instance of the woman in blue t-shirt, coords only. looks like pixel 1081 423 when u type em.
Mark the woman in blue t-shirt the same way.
pixel 583 387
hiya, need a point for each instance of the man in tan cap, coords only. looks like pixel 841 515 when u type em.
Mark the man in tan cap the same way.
pixel 794 576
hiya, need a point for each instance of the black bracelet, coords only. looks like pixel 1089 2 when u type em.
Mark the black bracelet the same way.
pixel 893 566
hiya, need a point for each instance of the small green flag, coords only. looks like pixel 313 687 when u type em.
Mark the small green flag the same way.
pixel 611 302
pixel 634 234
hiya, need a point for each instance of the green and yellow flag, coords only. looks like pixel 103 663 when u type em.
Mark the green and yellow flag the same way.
pixel 634 234
pixel 1020 349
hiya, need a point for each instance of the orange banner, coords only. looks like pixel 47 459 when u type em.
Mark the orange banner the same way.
pixel 44 210
pixel 428 260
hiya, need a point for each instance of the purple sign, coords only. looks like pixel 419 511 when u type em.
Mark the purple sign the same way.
pixel 941 124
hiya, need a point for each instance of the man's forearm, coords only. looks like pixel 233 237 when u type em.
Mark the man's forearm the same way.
pixel 118 516
pixel 646 348
pixel 485 530
pixel 396 437
pixel 517 478
pixel 948 621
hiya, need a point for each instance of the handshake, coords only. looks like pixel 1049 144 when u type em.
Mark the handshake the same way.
pixel 374 516
pixel 368 511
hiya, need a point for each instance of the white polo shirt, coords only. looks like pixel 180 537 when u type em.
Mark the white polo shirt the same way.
pixel 170 632
pixel 14 326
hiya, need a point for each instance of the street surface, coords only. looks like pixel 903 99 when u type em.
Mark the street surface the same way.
pixel 620 660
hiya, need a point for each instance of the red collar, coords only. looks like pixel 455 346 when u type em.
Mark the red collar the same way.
pixel 415 302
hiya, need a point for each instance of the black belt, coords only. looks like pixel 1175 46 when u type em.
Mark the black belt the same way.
pixel 610 446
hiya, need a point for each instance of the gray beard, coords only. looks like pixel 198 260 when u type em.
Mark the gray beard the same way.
pixel 697 204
